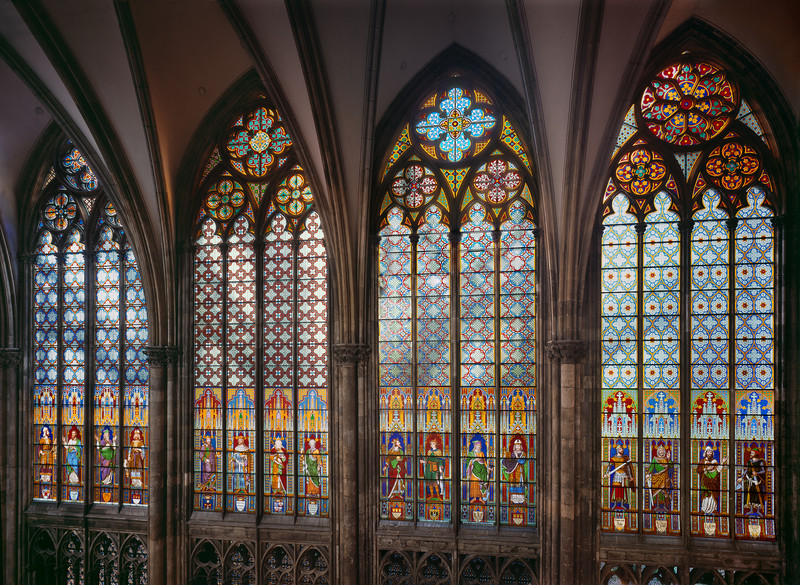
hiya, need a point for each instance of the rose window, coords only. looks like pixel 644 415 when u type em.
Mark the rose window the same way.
pixel 733 166
pixel 414 186
pixel 497 181
pixel 453 123
pixel 641 171
pixel 687 104
pixel 255 142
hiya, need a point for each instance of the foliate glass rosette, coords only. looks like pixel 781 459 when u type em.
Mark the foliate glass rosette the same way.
pixel 641 171
pixel 687 104
pixel 414 186
pixel 497 181
pixel 733 166
pixel 455 124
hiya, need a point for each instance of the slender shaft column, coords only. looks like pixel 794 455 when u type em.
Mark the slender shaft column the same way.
pixel 347 360
pixel 9 463
pixel 161 361
pixel 568 473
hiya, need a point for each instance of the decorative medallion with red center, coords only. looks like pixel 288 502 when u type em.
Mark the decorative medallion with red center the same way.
pixel 688 103
pixel 414 186
pixel 497 181
pixel 733 166
pixel 641 171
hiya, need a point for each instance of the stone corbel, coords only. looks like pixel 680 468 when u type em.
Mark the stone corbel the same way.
pixel 566 351
pixel 162 355
pixel 9 356
pixel 351 353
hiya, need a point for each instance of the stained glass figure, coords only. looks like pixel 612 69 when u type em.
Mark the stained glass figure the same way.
pixel 456 317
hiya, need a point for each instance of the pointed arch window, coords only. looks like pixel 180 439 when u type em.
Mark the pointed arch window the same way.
pixel 688 313
pixel 260 327
pixel 90 378
pixel 456 315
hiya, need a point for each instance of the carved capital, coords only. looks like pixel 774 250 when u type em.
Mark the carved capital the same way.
pixel 351 353
pixel 778 222
pixel 162 355
pixel 566 351
pixel 686 225
pixel 27 258
pixel 9 356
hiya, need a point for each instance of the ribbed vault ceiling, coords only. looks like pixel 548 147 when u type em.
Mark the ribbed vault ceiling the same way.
pixel 131 82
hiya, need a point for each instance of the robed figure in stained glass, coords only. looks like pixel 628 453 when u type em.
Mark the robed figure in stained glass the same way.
pixel 241 463
pixel 659 479
pixel 395 468
pixel 278 461
pixel 312 463
pixel 479 471
pixel 433 469
pixel 620 471
pixel 208 462
pixel 106 448
pixel 134 462
pixel 710 471
pixel 74 450
pixel 47 456
pixel 515 470
pixel 753 482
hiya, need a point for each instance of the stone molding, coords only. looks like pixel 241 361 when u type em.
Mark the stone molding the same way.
pixel 162 355
pixel 351 353
pixel 566 351
pixel 9 356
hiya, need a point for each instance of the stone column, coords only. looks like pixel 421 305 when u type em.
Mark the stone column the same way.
pixel 347 359
pixel 573 563
pixel 161 523
pixel 9 463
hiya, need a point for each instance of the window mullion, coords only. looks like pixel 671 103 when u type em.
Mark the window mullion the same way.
pixel 639 490
pixel 58 439
pixel 497 375
pixel 223 449
pixel 259 478
pixel 90 308
pixel 730 494
pixel 298 477
pixel 123 336
pixel 685 348
pixel 414 240
pixel 455 378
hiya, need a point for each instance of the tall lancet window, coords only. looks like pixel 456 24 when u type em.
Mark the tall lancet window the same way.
pixel 90 389
pixel 456 316
pixel 260 328
pixel 688 313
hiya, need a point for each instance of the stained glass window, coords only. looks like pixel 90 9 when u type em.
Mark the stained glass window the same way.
pixel 456 316
pixel 687 299
pixel 260 328
pixel 90 328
